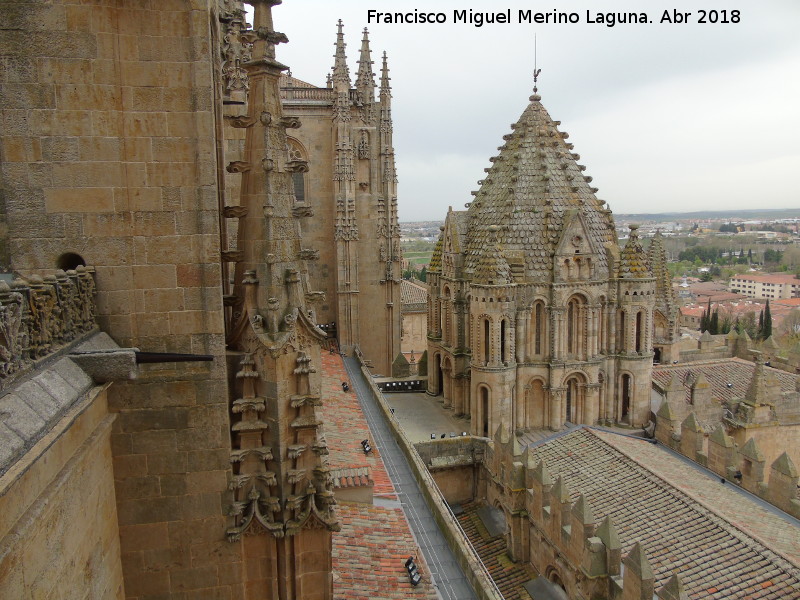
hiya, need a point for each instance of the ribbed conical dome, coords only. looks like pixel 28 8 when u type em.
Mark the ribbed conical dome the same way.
pixel 532 184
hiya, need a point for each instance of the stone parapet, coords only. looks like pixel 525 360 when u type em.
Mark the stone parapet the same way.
pixel 41 316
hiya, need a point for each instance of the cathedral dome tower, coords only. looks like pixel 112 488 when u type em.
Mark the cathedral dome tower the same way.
pixel 541 272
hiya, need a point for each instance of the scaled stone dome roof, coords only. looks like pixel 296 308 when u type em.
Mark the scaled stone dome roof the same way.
pixel 527 192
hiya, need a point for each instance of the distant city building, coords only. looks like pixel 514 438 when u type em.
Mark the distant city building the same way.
pixel 772 285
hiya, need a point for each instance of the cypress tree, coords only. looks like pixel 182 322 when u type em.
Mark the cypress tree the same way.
pixel 767 322
pixel 713 326
pixel 761 324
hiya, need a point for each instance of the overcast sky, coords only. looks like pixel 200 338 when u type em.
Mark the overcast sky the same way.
pixel 666 117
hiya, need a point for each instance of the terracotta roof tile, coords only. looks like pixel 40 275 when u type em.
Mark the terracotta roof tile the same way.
pixel 369 555
pixel 508 576
pixel 412 292
pixel 345 426
pixel 687 522
pixel 719 373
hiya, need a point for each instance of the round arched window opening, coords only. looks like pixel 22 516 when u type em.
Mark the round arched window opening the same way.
pixel 69 261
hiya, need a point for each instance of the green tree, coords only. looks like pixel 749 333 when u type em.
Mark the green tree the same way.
pixel 767 331
pixel 713 326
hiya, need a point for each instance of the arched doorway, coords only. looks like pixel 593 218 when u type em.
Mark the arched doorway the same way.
pixel 574 399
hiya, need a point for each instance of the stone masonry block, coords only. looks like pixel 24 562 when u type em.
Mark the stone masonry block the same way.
pixel 150 536
pixel 154 442
pixel 134 465
pixel 75 376
pixel 83 200
pixel 149 510
pixel 11 446
pixel 36 397
pixel 20 418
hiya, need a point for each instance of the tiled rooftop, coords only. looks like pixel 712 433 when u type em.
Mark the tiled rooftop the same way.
pixel 369 555
pixel 344 428
pixel 507 575
pixel 370 550
pixel 687 523
pixel 720 373
pixel 412 292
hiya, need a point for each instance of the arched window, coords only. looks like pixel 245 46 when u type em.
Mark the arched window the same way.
pixel 299 182
pixel 572 400
pixel 536 408
pixel 503 357
pixel 538 328
pixel 486 341
pixel 639 332
pixel 485 411
pixel 627 391
pixel 576 345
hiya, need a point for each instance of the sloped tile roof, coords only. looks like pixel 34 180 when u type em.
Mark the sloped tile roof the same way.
pixel 369 555
pixel 413 292
pixel 345 426
pixel 721 544
pixel 719 373
pixel 508 576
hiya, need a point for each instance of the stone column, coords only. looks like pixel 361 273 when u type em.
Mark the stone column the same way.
pixel 556 402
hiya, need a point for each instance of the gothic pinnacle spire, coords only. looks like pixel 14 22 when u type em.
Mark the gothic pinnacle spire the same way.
pixel 365 82
pixel 385 79
pixel 341 74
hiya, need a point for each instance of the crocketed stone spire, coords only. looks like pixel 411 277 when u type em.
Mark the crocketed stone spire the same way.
pixel 385 86
pixel 633 263
pixel 492 268
pixel 665 294
pixel 529 189
pixel 341 73
pixel 365 80
pixel 436 258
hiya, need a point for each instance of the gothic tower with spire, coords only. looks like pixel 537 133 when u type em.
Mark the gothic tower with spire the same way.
pixel 282 513
pixel 536 317
pixel 348 201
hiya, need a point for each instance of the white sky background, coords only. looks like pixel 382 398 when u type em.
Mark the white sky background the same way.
pixel 665 117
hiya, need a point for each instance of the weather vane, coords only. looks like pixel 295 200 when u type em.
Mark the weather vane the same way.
pixel 535 70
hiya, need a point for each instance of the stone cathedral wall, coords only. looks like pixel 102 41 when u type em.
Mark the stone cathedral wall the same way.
pixel 108 154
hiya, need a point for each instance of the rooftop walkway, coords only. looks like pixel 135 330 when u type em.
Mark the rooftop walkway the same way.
pixel 444 572
pixel 375 539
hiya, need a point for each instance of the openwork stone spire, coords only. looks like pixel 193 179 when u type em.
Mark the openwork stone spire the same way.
pixel 365 81
pixel 341 73
pixel 386 88
pixel 281 485
pixel 665 294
